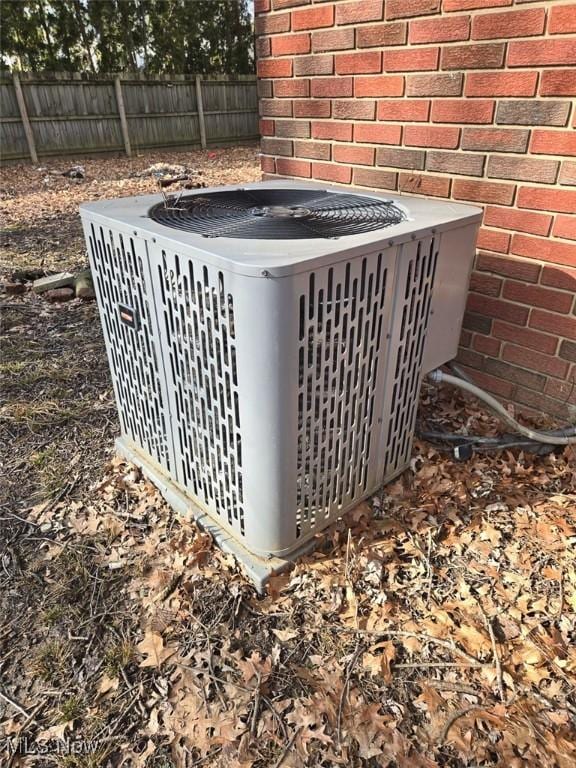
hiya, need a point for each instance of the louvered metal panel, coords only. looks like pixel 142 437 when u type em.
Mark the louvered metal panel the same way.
pixel 120 268
pixel 415 280
pixel 196 317
pixel 343 320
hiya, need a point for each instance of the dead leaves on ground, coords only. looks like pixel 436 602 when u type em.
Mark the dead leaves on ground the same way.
pixel 439 632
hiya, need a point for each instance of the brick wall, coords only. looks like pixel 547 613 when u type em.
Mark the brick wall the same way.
pixel 464 99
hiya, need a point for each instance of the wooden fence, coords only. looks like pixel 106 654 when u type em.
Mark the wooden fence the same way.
pixel 61 113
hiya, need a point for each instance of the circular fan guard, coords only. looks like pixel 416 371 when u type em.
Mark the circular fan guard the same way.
pixel 277 214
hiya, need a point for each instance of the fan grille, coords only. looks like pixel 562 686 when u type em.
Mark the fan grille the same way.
pixel 277 214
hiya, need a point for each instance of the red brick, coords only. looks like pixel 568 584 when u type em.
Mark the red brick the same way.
pixel 376 178
pixel 495 139
pixel 313 18
pixel 400 110
pixel 568 352
pixel 263 47
pixel 290 167
pixel 272 24
pixel 509 24
pixel 292 129
pixel 266 127
pixel 483 56
pixel 486 345
pixel 508 267
pixel 261 6
pixel 392 33
pixel 523 53
pixel 553 142
pixel 462 111
pixel 539 404
pixel 411 60
pixel 563 325
pixel 281 4
pixel 431 136
pixel 446 84
pixel 418 184
pixel 353 155
pixel 264 89
pixel 315 64
pixel 464 163
pixel 478 323
pixel 471 5
pixel 284 45
pixel 533 112
pixel 362 62
pixel 568 173
pixel 354 110
pixel 275 68
pixel 564 390
pixel 516 375
pixel 332 131
pixel 562 20
pixel 465 339
pixel 534 360
pixel 314 150
pixel 439 30
pixel 536 296
pixel 525 337
pixel 493 240
pixel 396 9
pixel 492 384
pixel 401 158
pixel 483 191
pixel 359 11
pixel 501 83
pixel 330 87
pixel 565 226
pixel 374 133
pixel 273 146
pixel 485 284
pixel 312 108
pixel 275 108
pixel 379 85
pixel 558 82
pixel 544 249
pixel 333 39
pixel 561 200
pixel 268 164
pixel 521 221
pixel 291 88
pixel 337 173
pixel 559 277
pixel 471 359
pixel 523 169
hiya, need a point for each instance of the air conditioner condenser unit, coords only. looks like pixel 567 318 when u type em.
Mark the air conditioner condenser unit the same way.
pixel 267 343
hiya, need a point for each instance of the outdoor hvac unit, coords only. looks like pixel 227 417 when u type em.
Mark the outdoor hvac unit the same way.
pixel 267 344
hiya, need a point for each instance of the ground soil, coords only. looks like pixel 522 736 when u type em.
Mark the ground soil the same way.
pixel 434 626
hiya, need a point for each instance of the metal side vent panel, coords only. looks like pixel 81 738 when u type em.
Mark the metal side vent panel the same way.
pixel 342 325
pixel 416 265
pixel 196 313
pixel 130 333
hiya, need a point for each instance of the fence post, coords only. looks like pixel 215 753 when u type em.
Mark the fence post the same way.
pixel 200 109
pixel 24 117
pixel 122 113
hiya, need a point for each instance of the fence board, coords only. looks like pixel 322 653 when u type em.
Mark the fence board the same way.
pixel 73 113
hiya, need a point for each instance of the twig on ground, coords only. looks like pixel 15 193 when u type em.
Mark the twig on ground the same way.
pixel 345 687
pixel 496 656
pixel 287 748
pixel 14 704
pixel 451 720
